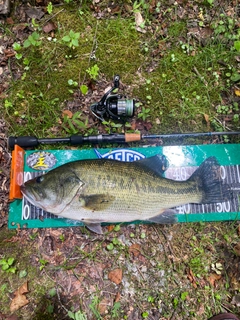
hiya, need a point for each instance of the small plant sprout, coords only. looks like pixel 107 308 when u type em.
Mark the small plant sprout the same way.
pixel 8 104
pixel 72 83
pixel 144 114
pixel 43 264
pixel 49 7
pixel 93 72
pixel 78 315
pixel 117 227
pixel 71 39
pixel 145 315
pixel 62 237
pixel 32 40
pixel 84 89
pixel 7 265
pixel 22 274
pixel 17 47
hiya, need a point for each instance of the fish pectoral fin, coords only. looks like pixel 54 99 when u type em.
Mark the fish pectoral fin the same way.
pixel 96 202
pixel 165 217
pixel 95 227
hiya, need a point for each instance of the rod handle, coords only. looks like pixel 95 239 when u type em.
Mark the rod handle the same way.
pixel 76 140
pixel 24 141
pixel 131 137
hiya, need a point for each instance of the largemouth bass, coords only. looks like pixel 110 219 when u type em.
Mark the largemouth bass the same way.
pixel 104 190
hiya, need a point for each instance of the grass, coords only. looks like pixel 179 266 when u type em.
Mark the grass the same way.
pixel 183 83
pixel 186 79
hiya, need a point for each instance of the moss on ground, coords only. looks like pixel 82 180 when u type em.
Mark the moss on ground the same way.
pixel 169 72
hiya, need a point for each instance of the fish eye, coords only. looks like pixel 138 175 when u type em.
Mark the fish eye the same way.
pixel 39 179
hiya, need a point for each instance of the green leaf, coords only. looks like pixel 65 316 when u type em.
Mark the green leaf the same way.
pixel 52 292
pixel 3 261
pixel 66 38
pixel 10 261
pixel 110 246
pixel 235 77
pixel 12 270
pixel 18 56
pixel 75 42
pixel 17 46
pixel 237 45
pixel 71 315
pixel 22 274
pixel 71 34
pixel 35 35
pixel 117 227
pixel 5 267
pixel 26 43
pixel 175 302
pixel 84 89
pixel 184 295
pixel 145 315
pixel 49 8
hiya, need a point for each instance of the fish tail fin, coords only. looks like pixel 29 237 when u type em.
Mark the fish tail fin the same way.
pixel 209 180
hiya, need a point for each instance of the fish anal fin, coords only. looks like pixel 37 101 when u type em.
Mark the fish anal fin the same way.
pixel 167 216
pixel 96 202
pixel 95 227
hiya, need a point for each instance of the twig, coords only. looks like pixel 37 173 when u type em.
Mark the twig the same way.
pixel 94 47
pixel 171 261
pixel 225 127
pixel 54 15
pixel 195 70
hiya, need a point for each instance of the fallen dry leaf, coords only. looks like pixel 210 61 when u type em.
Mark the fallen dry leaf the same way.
pixel 206 117
pixel 237 249
pixel 138 19
pixel 135 249
pixel 201 310
pixel 110 228
pixel 67 113
pixel 49 26
pixel 103 305
pixel 20 299
pixel 115 276
pixel 191 278
pixel 5 317
pixel 213 278
pixel 117 297
pixel 237 92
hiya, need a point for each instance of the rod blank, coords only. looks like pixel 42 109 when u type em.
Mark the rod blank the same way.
pixel 32 141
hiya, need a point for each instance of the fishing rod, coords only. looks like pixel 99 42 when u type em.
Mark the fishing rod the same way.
pixel 32 141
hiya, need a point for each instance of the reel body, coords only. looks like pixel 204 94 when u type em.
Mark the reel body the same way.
pixel 113 106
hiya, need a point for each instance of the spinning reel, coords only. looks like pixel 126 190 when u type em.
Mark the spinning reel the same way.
pixel 113 106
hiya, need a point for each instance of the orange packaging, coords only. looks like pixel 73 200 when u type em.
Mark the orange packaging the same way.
pixel 16 175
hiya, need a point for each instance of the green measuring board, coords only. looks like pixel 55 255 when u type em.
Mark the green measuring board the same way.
pixel 182 162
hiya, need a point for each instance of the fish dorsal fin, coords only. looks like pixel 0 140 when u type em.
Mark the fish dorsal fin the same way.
pixel 158 163
pixel 96 202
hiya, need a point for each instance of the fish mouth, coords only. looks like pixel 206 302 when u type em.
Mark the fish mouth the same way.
pixel 29 197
